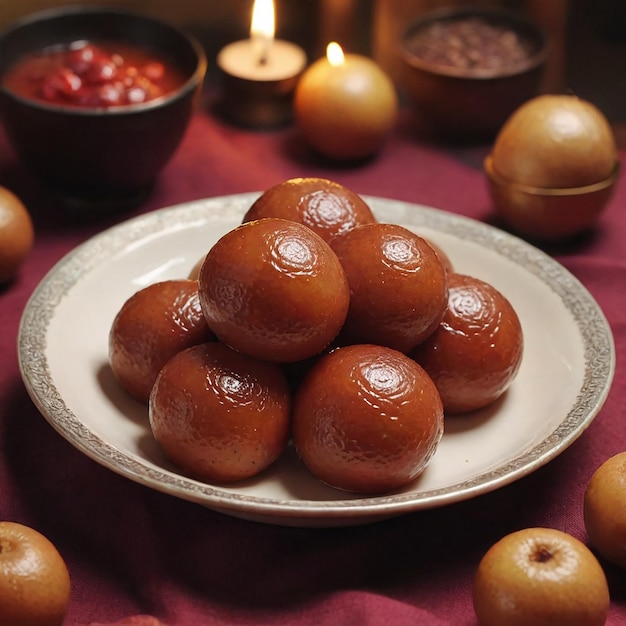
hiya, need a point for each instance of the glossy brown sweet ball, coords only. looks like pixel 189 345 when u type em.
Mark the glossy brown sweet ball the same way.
pixel 398 286
pixel 604 509
pixel 220 415
pixel 274 289
pixel 476 351
pixel 325 206
pixel 153 325
pixel 366 419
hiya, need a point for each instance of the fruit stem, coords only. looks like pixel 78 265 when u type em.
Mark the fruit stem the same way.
pixel 542 554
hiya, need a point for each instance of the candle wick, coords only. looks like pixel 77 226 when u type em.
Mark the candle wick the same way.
pixel 263 46
pixel 264 57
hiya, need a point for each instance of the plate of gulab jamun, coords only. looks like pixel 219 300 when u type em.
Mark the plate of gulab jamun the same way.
pixel 307 356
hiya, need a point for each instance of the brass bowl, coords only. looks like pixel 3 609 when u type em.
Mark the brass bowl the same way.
pixel 549 214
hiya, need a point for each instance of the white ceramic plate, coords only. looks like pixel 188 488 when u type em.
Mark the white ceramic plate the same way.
pixel 566 373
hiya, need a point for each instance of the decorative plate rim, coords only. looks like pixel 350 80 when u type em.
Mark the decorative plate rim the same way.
pixel 595 332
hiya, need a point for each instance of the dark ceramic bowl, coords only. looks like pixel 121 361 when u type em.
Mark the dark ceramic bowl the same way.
pixel 465 102
pixel 100 157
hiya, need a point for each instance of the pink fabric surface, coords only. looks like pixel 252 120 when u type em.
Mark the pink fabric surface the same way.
pixel 132 551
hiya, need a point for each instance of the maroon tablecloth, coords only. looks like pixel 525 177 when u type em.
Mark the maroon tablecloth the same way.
pixel 131 550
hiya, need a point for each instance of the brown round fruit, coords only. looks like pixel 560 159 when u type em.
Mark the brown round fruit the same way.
pixel 476 351
pixel 34 580
pixel 398 286
pixel 220 415
pixel 16 234
pixel 605 509
pixel 274 289
pixel 151 327
pixel 540 577
pixel 555 141
pixel 366 419
pixel 324 206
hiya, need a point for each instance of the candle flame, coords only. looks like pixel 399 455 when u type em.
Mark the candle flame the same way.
pixel 334 54
pixel 262 28
pixel 263 19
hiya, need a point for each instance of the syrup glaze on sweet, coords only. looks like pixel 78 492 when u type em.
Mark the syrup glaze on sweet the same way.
pixel 274 289
pixel 366 419
pixel 153 325
pixel 476 352
pixel 219 414
pixel 398 286
pixel 326 207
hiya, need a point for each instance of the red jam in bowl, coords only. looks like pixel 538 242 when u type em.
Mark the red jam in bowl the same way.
pixel 92 75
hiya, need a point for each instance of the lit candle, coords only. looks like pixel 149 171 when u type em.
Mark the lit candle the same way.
pixel 259 74
pixel 345 105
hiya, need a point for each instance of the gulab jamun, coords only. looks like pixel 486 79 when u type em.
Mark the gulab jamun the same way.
pixel 153 325
pixel 219 415
pixel 325 206
pixel 476 351
pixel 274 289
pixel 366 419
pixel 398 286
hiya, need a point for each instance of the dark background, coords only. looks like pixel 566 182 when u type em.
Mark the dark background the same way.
pixel 589 35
